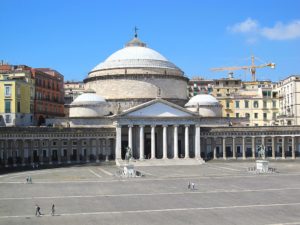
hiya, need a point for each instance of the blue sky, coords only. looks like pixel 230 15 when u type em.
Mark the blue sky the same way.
pixel 74 36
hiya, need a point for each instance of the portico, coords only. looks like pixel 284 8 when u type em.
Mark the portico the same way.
pixel 158 130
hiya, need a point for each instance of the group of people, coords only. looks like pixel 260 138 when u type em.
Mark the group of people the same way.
pixel 38 210
pixel 28 180
pixel 191 186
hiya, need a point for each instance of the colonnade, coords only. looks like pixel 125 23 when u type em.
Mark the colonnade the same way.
pixel 23 152
pixel 141 140
pixel 279 146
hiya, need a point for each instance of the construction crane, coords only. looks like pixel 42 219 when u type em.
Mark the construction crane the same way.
pixel 252 68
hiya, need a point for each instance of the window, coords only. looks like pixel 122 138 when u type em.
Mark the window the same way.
pixel 265 116
pixel 246 104
pixel 18 107
pixel 247 115
pixel 255 104
pixel 274 115
pixel 7 106
pixel 237 104
pixel 237 115
pixel 227 104
pixel 274 104
pixel 255 115
pixel 265 104
pixel 7 91
pixel 227 115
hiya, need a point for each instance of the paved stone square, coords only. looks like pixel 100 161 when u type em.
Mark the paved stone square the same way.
pixel 225 193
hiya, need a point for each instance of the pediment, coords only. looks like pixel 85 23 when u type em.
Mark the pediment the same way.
pixel 158 109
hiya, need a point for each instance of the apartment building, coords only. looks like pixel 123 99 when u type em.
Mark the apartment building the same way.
pixel 289 100
pixel 16 96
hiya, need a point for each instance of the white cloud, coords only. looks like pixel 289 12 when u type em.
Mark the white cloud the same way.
pixel 249 25
pixel 282 32
pixel 279 32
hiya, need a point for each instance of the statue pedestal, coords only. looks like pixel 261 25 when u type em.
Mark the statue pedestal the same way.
pixel 262 166
pixel 128 170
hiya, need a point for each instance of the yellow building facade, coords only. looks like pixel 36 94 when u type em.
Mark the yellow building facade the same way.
pixel 16 98
pixel 256 100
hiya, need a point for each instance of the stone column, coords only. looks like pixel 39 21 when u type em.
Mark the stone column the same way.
pixel 165 143
pixel 14 152
pixel 79 149
pixel 31 151
pixel 233 148
pixel 244 147
pixel 59 150
pixel 118 142
pixel 97 150
pixel 142 152
pixel 273 147
pixel 283 148
pixel 107 149
pixel 130 136
pixel 197 142
pixel 49 151
pixel 263 144
pixel 152 141
pixel 5 153
pixel 253 147
pixel 175 141
pixel 22 152
pixel 186 142
pixel 293 147
pixel 214 147
pixel 69 151
pixel 224 147
pixel 40 152
pixel 89 150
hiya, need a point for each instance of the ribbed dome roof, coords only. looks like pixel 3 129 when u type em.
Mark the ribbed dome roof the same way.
pixel 88 99
pixel 202 99
pixel 135 55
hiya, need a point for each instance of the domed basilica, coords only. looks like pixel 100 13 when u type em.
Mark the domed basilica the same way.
pixel 143 96
pixel 136 99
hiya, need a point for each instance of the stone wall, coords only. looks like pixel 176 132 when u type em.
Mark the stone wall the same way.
pixel 140 87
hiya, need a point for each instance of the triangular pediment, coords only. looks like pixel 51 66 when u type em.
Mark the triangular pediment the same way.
pixel 158 108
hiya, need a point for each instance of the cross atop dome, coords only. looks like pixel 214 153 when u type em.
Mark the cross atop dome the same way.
pixel 135 41
pixel 135 31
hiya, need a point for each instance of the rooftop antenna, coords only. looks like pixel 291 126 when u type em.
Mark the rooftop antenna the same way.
pixel 135 31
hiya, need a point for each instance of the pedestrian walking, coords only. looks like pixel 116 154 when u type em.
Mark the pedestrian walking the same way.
pixel 27 180
pixel 30 180
pixel 189 185
pixel 193 186
pixel 53 210
pixel 37 211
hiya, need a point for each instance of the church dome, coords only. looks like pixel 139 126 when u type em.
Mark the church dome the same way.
pixel 89 105
pixel 202 99
pixel 135 55
pixel 205 105
pixel 88 99
pixel 134 74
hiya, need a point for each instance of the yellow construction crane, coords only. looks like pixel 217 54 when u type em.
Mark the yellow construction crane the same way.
pixel 252 67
